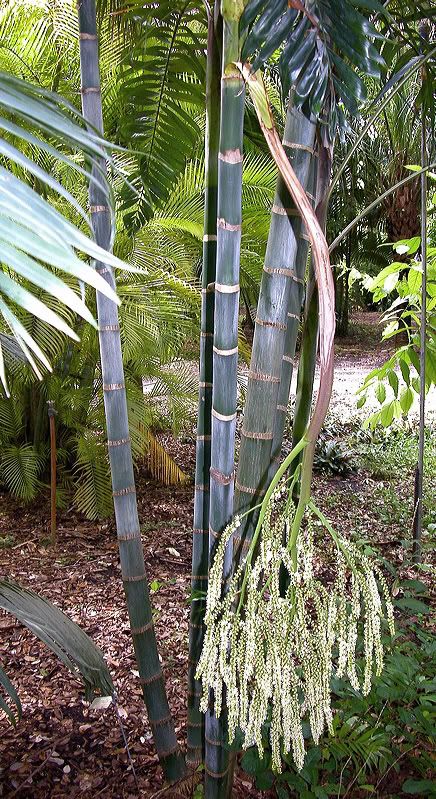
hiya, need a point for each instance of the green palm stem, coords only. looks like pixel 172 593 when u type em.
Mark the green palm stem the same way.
pixel 306 368
pixel 225 347
pixel 292 327
pixel 280 281
pixel 200 544
pixel 120 455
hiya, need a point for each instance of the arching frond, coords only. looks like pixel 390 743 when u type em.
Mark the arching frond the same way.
pixel 65 638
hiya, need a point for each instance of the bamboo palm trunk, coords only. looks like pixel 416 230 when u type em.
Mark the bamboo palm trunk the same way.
pixel 200 544
pixel 278 280
pixel 292 327
pixel 225 349
pixel 306 369
pixel 120 456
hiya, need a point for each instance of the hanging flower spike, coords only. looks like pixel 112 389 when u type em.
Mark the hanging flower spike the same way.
pixel 275 654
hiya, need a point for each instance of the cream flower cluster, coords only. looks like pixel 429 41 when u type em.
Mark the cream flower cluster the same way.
pixel 274 649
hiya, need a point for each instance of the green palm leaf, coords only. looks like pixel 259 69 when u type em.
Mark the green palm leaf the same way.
pixel 163 90
pixel 32 231
pixel 13 697
pixel 324 48
pixel 66 639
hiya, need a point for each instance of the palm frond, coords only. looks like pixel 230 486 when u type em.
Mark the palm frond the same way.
pixel 161 464
pixel 32 231
pixel 324 48
pixel 162 84
pixel 20 466
pixel 65 638
pixel 93 495
pixel 11 693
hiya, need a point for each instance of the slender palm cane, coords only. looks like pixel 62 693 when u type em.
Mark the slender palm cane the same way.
pixel 292 327
pixel 419 471
pixel 306 368
pixel 225 343
pixel 200 544
pixel 120 455
pixel 280 281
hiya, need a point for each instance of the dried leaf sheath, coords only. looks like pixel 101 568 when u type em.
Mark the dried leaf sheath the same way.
pixel 120 455
pixel 200 544
pixel 225 348
pixel 307 365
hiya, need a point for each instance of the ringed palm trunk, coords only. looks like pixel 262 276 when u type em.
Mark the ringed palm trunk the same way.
pixel 200 544
pixel 292 327
pixel 306 369
pixel 225 348
pixel 279 281
pixel 120 455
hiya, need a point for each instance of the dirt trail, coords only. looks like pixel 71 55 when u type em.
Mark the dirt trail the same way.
pixel 355 357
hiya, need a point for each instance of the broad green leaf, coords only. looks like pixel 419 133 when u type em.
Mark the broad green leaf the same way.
pixel 380 392
pixel 390 329
pixel 405 371
pixel 414 605
pixel 406 399
pixel 409 246
pixel 414 280
pixel 390 282
pixel 421 788
pixel 393 381
pixel 387 414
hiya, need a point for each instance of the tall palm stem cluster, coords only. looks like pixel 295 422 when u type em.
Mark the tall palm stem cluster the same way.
pixel 287 279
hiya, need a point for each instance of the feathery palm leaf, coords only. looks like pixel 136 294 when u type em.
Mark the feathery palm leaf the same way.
pixel 323 44
pixel 65 638
pixel 162 86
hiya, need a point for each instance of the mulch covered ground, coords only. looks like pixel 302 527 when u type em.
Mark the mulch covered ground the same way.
pixel 60 747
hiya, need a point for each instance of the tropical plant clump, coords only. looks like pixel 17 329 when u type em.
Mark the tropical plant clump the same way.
pixel 274 643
